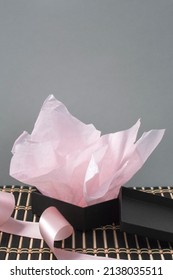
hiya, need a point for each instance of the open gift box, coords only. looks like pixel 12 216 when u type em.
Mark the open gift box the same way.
pixel 81 218
pixel 81 169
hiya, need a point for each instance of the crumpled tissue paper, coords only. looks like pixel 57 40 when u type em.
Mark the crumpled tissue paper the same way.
pixel 70 161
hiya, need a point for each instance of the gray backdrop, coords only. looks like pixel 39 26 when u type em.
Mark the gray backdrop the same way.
pixel 109 61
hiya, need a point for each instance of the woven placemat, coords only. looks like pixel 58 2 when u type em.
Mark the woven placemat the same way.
pixel 102 241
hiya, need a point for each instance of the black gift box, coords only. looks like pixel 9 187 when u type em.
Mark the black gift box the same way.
pixel 146 214
pixel 136 211
pixel 81 218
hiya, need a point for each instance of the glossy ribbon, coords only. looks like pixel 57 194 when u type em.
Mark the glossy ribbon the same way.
pixel 51 227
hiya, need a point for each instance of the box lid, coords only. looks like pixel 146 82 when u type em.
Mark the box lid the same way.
pixel 146 214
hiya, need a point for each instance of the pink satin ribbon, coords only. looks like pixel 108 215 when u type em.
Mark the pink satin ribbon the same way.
pixel 51 227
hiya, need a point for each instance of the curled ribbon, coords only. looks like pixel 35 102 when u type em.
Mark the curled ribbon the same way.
pixel 51 227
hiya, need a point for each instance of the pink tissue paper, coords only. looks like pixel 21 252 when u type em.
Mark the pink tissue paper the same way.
pixel 71 161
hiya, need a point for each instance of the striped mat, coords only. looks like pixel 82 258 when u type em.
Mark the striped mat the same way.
pixel 105 241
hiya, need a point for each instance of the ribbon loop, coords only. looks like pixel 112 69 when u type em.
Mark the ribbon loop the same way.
pixel 53 226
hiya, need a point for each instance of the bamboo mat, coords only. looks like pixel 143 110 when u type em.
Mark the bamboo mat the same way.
pixel 105 241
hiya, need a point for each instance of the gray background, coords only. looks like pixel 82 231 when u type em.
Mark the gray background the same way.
pixel 109 61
